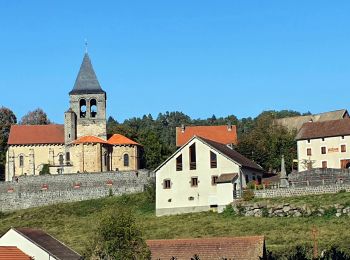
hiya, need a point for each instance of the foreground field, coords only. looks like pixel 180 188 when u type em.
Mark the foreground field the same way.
pixel 74 223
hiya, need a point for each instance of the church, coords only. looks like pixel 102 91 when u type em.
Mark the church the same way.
pixel 80 145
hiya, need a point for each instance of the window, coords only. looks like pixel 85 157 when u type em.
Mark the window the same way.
pixel 93 107
pixel 308 151
pixel 213 160
pixel 324 164
pixel 323 150
pixel 194 181
pixel 343 148
pixel 21 161
pixel 259 179
pixel 308 140
pixel 166 184
pixel 82 106
pixel 179 163
pixel 67 156
pixel 214 179
pixel 60 159
pixel 322 139
pixel 126 160
pixel 193 156
pixel 342 137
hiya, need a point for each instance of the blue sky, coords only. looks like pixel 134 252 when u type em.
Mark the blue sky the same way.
pixel 198 57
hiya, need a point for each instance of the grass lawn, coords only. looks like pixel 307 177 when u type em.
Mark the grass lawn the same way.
pixel 74 223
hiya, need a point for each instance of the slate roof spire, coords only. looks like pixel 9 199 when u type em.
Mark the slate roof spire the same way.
pixel 86 82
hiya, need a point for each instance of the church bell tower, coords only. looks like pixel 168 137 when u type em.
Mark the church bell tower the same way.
pixel 87 112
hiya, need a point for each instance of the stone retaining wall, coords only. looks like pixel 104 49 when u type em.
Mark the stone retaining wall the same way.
pixel 34 191
pixel 265 209
pixel 300 191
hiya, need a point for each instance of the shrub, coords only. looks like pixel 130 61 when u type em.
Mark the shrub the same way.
pixel 45 170
pixel 330 212
pixel 251 185
pixel 265 212
pixel 228 211
pixel 150 191
pixel 241 209
pixel 248 195
pixel 110 192
pixel 342 191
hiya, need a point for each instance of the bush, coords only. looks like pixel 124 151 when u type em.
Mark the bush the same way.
pixel 251 185
pixel 334 253
pixel 265 212
pixel 150 191
pixel 342 191
pixel 110 192
pixel 228 211
pixel 248 195
pixel 330 212
pixel 45 170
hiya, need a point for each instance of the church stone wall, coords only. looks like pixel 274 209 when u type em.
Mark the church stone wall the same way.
pixel 117 157
pixel 35 191
pixel 34 156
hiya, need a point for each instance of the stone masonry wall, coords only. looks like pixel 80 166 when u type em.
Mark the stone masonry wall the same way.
pixel 300 191
pixel 34 191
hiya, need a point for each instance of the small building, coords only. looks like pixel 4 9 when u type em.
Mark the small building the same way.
pixel 225 134
pixel 324 145
pixel 13 253
pixel 296 122
pixel 202 175
pixel 80 145
pixel 38 244
pixel 238 248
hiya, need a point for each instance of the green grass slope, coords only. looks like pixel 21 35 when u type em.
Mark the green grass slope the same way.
pixel 74 223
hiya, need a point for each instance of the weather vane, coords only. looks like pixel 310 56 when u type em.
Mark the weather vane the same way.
pixel 86 46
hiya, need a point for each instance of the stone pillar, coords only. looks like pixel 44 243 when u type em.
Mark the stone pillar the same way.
pixel 283 178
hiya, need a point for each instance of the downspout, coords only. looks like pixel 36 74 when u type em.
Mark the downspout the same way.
pixel 240 182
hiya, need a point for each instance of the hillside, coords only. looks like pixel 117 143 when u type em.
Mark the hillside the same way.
pixel 73 223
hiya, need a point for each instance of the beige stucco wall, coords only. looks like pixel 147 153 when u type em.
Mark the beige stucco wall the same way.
pixel 333 154
pixel 117 157
pixel 12 238
pixel 176 199
pixel 34 156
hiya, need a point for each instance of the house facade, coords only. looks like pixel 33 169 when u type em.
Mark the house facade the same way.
pixel 324 145
pixel 38 244
pixel 202 175
pixel 80 145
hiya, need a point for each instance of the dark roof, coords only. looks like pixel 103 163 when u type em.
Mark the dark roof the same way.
pixel 86 82
pixel 226 177
pixel 234 155
pixel 220 133
pixel 312 130
pixel 36 134
pixel 12 253
pixel 49 243
pixel 239 248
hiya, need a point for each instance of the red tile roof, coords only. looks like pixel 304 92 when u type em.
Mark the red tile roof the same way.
pixel 331 128
pixel 12 253
pixel 118 139
pixel 238 248
pixel 89 139
pixel 219 134
pixel 36 134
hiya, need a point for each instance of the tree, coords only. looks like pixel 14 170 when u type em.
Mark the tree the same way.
pixel 35 117
pixel 7 118
pixel 118 237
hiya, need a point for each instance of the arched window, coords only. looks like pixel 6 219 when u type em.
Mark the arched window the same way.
pixel 82 107
pixel 126 160
pixel 21 161
pixel 60 159
pixel 93 107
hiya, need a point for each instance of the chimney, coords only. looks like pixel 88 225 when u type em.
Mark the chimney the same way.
pixel 182 128
pixel 229 127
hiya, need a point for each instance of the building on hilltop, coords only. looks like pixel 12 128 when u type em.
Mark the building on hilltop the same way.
pixel 202 175
pixel 225 134
pixel 80 145
pixel 324 145
pixel 296 122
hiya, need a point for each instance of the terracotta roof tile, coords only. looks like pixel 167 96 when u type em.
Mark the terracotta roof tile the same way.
pixel 238 248
pixel 118 139
pixel 36 134
pixel 219 134
pixel 331 128
pixel 89 139
pixel 49 244
pixel 12 253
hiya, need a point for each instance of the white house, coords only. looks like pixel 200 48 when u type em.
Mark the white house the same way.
pixel 38 244
pixel 200 175
pixel 324 145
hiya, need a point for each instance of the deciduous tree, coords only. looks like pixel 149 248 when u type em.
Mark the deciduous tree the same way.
pixel 35 117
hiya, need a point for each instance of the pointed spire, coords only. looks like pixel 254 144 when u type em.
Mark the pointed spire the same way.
pixel 86 82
